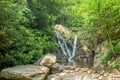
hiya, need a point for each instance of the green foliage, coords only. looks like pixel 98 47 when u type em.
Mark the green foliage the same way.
pixel 27 45
pixel 43 13
pixel 20 43
pixel 70 14
pixel 117 64
pixel 117 46
pixel 99 21
pixel 106 57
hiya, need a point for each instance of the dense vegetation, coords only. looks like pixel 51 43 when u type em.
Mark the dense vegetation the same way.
pixel 26 31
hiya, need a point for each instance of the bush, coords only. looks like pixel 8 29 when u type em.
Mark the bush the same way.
pixel 117 64
pixel 26 46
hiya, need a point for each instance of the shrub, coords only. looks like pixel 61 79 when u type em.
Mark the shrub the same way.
pixel 26 46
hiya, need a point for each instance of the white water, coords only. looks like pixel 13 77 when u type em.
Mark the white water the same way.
pixel 69 54
pixel 74 50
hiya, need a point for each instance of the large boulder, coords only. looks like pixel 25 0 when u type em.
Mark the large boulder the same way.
pixel 63 30
pixel 48 60
pixel 25 72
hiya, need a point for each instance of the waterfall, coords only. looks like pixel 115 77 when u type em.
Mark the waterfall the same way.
pixel 69 54
pixel 74 50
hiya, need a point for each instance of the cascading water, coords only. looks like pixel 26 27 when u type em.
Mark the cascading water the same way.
pixel 73 52
pixel 68 53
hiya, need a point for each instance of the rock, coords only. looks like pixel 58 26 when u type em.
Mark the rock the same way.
pixel 25 72
pixel 63 30
pixel 115 71
pixel 87 77
pixel 89 71
pixel 54 77
pixel 102 72
pixel 105 74
pixel 85 69
pixel 70 67
pixel 70 76
pixel 37 63
pixel 100 77
pixel 48 60
pixel 100 51
pixel 56 68
pixel 82 76
pixel 96 75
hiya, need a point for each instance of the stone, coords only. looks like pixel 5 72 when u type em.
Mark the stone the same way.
pixel 102 72
pixel 63 30
pixel 85 69
pixel 105 74
pixel 100 51
pixel 86 77
pixel 82 76
pixel 70 76
pixel 115 71
pixel 48 60
pixel 95 79
pixel 25 72
pixel 77 69
pixel 89 71
pixel 54 77
pixel 56 68
pixel 96 75
pixel 100 77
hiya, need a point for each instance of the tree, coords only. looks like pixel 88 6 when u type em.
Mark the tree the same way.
pixel 21 41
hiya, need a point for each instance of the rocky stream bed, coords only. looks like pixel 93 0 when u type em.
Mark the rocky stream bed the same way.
pixel 46 68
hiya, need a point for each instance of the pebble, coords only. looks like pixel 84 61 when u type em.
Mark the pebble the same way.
pixel 105 75
pixel 85 69
pixel 62 74
pixel 100 77
pixel 95 79
pixel 89 71
pixel 102 72
pixel 77 69
pixel 71 70
pixel 97 75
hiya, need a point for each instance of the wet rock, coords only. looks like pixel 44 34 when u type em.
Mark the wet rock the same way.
pixel 25 72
